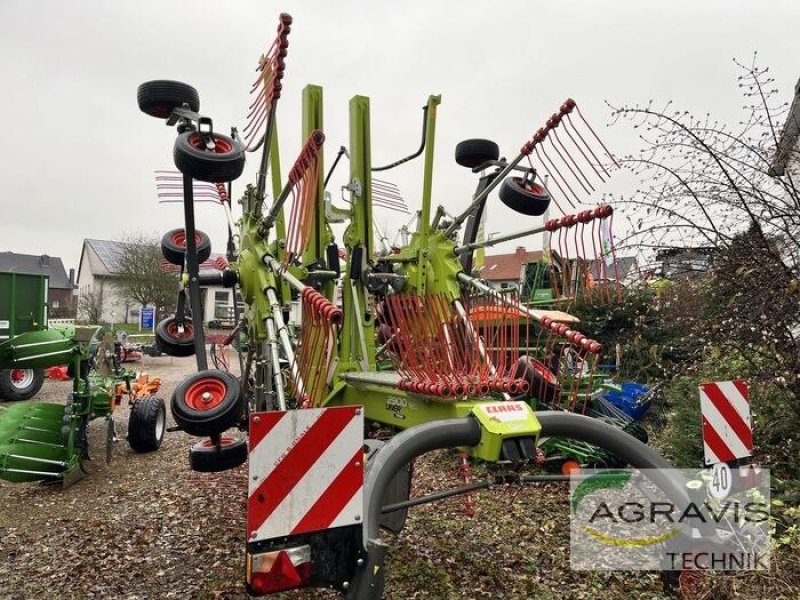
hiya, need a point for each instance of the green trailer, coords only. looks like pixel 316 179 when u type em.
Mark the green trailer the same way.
pixel 23 309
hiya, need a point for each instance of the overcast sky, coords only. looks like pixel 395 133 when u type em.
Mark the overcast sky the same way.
pixel 77 157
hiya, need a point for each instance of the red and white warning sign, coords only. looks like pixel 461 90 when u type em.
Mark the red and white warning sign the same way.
pixel 727 429
pixel 306 471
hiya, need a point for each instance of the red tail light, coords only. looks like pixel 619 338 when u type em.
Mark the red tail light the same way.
pixel 286 569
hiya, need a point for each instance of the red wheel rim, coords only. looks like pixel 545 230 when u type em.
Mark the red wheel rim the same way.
pixel 533 187
pixel 537 189
pixel 172 330
pixel 570 467
pixel 226 441
pixel 221 146
pixel 17 375
pixel 546 373
pixel 179 239
pixel 205 394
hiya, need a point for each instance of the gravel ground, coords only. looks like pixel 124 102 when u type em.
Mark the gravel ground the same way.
pixel 145 526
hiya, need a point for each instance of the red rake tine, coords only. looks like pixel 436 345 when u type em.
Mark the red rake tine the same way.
pixel 553 178
pixel 557 142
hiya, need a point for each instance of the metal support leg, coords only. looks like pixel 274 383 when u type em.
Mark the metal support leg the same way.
pixel 272 340
pixel 283 336
pixel 193 269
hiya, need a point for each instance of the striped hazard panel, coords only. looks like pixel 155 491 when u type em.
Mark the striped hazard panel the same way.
pixel 727 430
pixel 306 471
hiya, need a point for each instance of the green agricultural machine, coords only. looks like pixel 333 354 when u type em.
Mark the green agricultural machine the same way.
pixel 23 308
pixel 42 441
pixel 408 340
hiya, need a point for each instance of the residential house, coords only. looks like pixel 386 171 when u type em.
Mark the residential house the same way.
pixel 786 160
pixel 99 273
pixel 684 263
pixel 507 270
pixel 60 285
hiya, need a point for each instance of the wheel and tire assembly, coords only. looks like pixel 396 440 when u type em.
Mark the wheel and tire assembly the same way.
pixel 208 457
pixel 160 97
pixel 147 423
pixel 173 246
pixel 225 162
pixel 20 384
pixel 542 382
pixel 525 197
pixel 473 153
pixel 207 403
pixel 173 342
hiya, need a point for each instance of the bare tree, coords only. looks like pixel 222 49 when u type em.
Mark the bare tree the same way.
pixel 709 185
pixel 141 276
pixel 90 304
pixel 706 182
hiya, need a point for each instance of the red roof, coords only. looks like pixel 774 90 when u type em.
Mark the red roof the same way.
pixel 507 267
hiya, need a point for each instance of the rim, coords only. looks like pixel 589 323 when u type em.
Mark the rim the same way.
pixel 225 441
pixel 21 378
pixel 533 187
pixel 172 330
pixel 569 467
pixel 546 373
pixel 161 420
pixel 221 146
pixel 179 239
pixel 205 394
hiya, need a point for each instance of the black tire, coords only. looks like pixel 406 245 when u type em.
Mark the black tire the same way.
pixel 207 457
pixel 147 424
pixel 171 342
pixel 225 163
pixel 20 384
pixel 523 197
pixel 207 403
pixel 173 246
pixel 160 97
pixel 541 381
pixel 472 153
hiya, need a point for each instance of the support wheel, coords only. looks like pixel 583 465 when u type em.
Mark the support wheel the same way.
pixel 472 153
pixel 525 197
pixel 147 423
pixel 542 382
pixel 20 384
pixel 173 342
pixel 207 403
pixel 160 97
pixel 173 246
pixel 208 457
pixel 225 162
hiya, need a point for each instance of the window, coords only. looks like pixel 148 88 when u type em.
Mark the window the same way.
pixel 222 307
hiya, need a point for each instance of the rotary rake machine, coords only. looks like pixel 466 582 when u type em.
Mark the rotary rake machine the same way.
pixel 470 367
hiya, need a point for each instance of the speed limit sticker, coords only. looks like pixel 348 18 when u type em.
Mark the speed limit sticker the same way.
pixel 721 481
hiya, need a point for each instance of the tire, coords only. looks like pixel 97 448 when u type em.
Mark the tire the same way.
pixel 207 403
pixel 224 163
pixel 20 384
pixel 173 246
pixel 147 423
pixel 541 381
pixel 523 197
pixel 160 97
pixel 472 153
pixel 171 342
pixel 206 457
